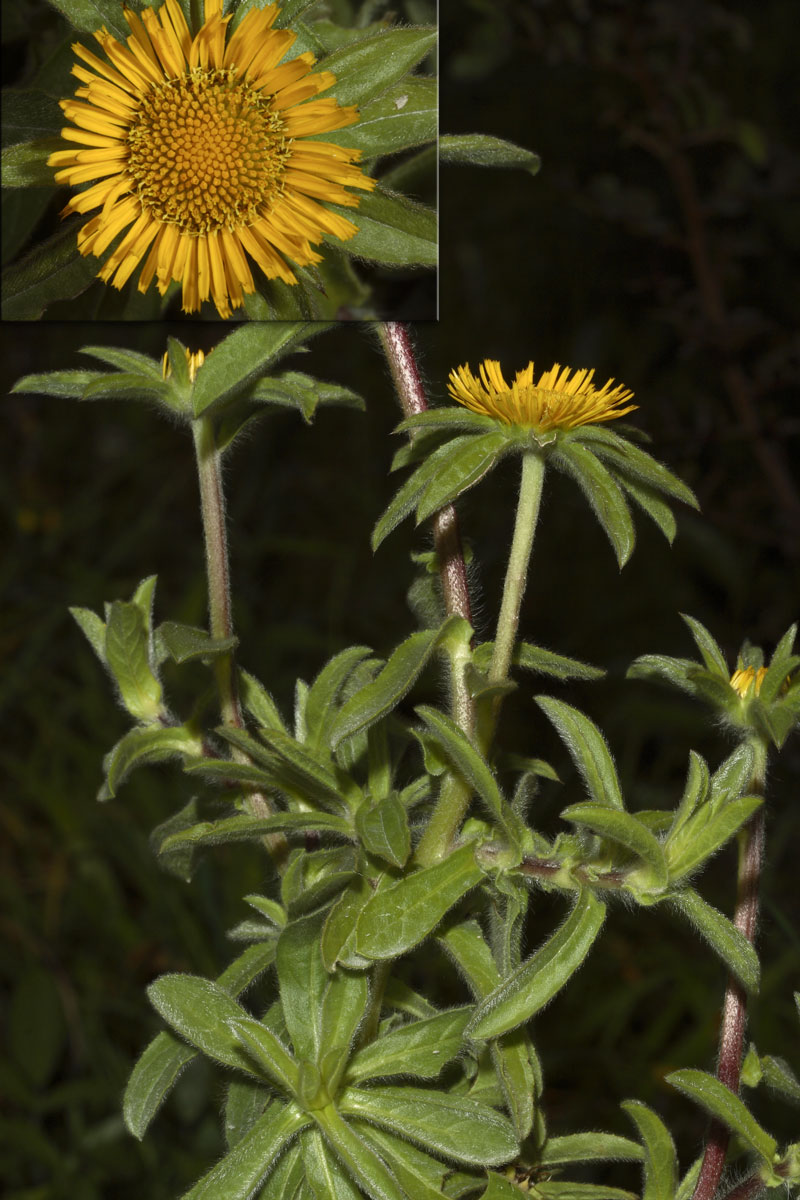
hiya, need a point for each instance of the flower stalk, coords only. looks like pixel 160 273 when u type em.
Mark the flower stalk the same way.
pixel 734 1009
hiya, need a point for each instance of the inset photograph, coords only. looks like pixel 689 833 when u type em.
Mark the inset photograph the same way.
pixel 221 160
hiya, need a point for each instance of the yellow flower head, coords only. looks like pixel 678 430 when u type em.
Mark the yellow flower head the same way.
pixel 196 147
pixel 194 362
pixel 747 680
pixel 560 400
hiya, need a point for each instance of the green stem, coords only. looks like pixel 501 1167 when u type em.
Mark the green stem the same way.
pixel 212 503
pixel 530 496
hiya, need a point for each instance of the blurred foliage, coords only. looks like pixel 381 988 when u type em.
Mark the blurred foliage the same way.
pixel 658 244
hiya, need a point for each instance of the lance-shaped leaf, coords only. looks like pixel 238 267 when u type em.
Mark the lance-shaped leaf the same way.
pixel 722 935
pixel 241 358
pixel 344 1004
pixel 703 834
pixel 651 503
pixel 721 1102
pixel 594 1146
pixel 202 1013
pixel 291 767
pixel 563 1189
pixel 624 828
pixel 387 689
pixel 588 749
pixel 452 418
pixel 515 1060
pixel 781 664
pixel 733 776
pixel 454 1126
pixel 187 643
pixel 384 832
pixel 245 1102
pixel 709 649
pixel 288 1180
pixel 338 934
pixel 321 702
pixel 302 980
pixel 406 498
pixel 157 1071
pixel 248 1164
pixel 127 652
pixel 534 983
pixel 53 270
pixel 259 703
pixel 463 465
pixel 301 392
pixel 402 117
pixel 483 150
pixel 420 1175
pixel 393 230
pixel 127 360
pixel 629 460
pixel 604 494
pixel 694 793
pixel 365 68
pixel 418 1048
pixel 472 768
pixel 248 829
pixel 265 1049
pixel 660 1159
pixel 325 1175
pixel 146 745
pixel 364 1165
pixel 402 915
pixel 94 630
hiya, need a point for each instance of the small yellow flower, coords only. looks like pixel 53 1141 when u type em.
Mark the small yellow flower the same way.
pixel 195 362
pixel 562 399
pixel 747 681
pixel 197 150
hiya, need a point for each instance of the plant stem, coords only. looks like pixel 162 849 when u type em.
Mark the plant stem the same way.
pixel 734 1009
pixel 454 797
pixel 212 503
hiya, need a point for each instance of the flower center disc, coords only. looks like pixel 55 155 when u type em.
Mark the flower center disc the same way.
pixel 206 151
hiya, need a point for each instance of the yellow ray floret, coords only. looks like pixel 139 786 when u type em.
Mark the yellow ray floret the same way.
pixel 562 399
pixel 193 147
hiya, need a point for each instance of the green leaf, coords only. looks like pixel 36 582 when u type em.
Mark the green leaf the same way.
pixel 592 1146
pixel 139 746
pixel 187 643
pixel 388 688
pixel 588 749
pixel 403 116
pixel 325 1176
pixel 302 980
pixel 447 419
pixel 689 1182
pixel 52 270
pixel 265 1049
pixel 722 935
pixel 127 360
pixel 624 828
pixel 650 502
pixel 461 464
pixel 527 989
pixel 28 116
pixel 247 829
pixel 391 229
pixel 603 493
pixel 245 1102
pixel 660 668
pixel 243 356
pixel 703 834
pixel 202 1012
pixel 127 653
pixel 321 702
pixel 344 1004
pixel 365 68
pixel 90 15
pixel 288 1180
pixel 248 1164
pixel 68 385
pixel 453 1126
pixel 402 915
pixel 563 1189
pixel 483 150
pixel 338 935
pixel 152 1079
pixel 363 1164
pixel 546 662
pixel 781 663
pixel 405 499
pixel 716 1098
pixel 633 463
pixel 291 767
pixel 660 1161
pixel 417 1048
pixel 472 768
pixel 384 832
pixel 695 791
pixel 259 703
pixel 733 775
pixel 94 628
pixel 713 657
pixel 417 1172
pixel 25 164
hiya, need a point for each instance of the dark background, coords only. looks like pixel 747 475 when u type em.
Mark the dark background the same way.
pixel 659 244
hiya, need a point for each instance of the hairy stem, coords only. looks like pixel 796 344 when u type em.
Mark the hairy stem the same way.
pixel 212 503
pixel 453 801
pixel 734 1009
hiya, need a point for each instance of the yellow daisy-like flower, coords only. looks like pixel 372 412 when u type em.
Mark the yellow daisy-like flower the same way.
pixel 560 400
pixel 747 680
pixel 195 146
